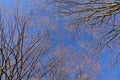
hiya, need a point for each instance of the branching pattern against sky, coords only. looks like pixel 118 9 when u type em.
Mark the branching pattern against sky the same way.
pixel 73 45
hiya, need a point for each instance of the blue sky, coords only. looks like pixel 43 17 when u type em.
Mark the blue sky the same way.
pixel 67 40
pixel 7 3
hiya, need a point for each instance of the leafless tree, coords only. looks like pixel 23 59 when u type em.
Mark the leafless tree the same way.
pixel 23 41
pixel 64 67
pixel 98 15
pixel 99 18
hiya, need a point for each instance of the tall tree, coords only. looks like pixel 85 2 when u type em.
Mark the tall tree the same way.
pixel 23 41
pixel 65 65
pixel 100 18
pixel 93 14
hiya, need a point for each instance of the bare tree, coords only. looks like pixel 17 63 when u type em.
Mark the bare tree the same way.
pixel 87 69
pixel 100 16
pixel 63 65
pixel 23 41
